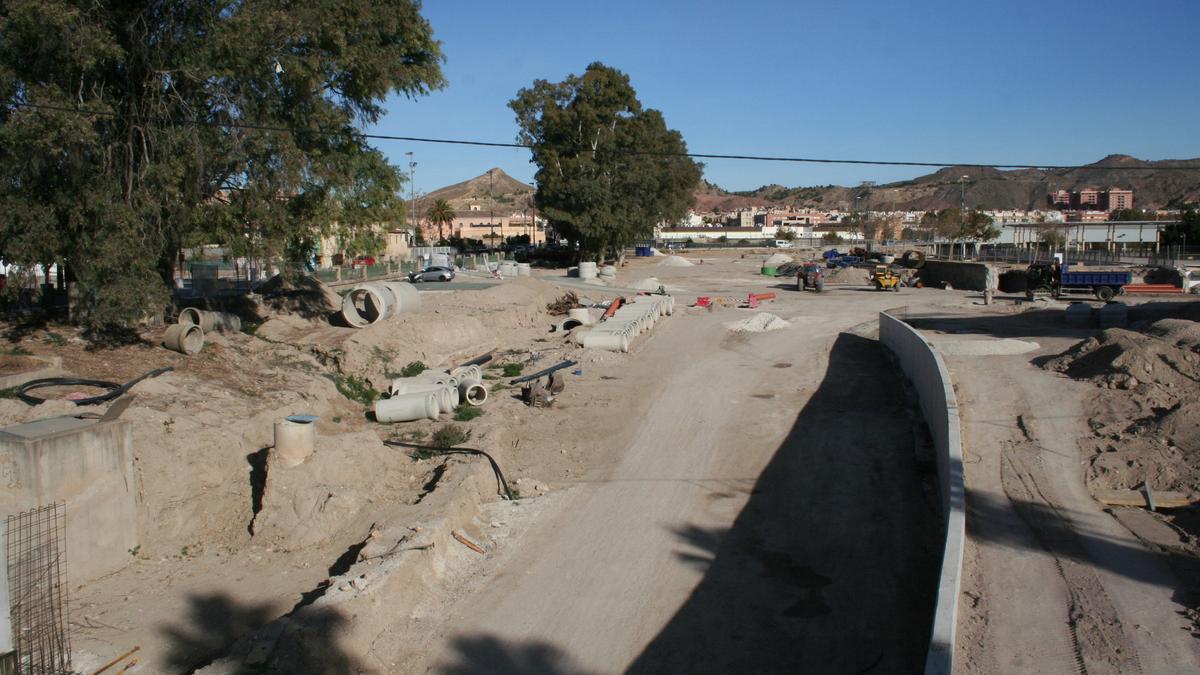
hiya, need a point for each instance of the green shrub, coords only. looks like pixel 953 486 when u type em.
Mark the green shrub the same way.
pixel 513 369
pixel 18 350
pixel 413 369
pixel 467 413
pixel 449 435
pixel 55 339
pixel 355 389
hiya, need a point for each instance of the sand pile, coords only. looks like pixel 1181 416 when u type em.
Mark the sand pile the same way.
pixel 1124 359
pixel 759 323
pixel 777 259
pixel 675 261
pixel 304 296
pixel 1151 431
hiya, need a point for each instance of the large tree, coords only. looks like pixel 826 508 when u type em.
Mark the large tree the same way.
pixel 130 128
pixel 441 213
pixel 608 169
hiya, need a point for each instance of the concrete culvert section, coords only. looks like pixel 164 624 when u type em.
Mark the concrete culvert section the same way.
pixel 369 303
pixel 184 338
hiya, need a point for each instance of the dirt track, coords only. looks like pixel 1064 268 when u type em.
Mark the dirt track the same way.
pixel 766 514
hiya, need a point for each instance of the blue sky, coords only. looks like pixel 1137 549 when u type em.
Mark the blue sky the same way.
pixel 998 81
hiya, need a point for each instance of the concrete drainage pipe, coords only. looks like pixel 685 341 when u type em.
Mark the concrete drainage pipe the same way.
pixel 472 391
pixel 376 301
pixel 294 441
pixel 408 407
pixel 613 342
pixel 580 314
pixel 467 373
pixel 185 338
pixel 210 321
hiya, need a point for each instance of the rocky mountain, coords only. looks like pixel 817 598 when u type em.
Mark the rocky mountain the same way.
pixel 493 189
pixel 1155 184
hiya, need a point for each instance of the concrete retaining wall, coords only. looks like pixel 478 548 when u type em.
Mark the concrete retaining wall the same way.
pixel 928 374
pixel 961 275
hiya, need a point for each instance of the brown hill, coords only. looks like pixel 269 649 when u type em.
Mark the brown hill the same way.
pixel 507 194
pixel 1155 184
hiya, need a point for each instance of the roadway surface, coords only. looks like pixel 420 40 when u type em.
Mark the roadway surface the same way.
pixel 766 514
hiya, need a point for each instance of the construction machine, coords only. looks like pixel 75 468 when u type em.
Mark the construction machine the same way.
pixel 885 279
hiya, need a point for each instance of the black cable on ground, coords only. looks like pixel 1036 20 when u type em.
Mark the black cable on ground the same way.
pixel 508 494
pixel 115 390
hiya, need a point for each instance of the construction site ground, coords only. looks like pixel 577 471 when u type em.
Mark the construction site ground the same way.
pixel 715 500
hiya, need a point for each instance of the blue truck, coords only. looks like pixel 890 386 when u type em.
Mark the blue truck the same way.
pixel 1058 280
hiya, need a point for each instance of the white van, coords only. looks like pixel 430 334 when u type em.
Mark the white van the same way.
pixel 782 243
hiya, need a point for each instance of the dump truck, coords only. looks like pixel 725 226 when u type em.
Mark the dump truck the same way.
pixel 1057 280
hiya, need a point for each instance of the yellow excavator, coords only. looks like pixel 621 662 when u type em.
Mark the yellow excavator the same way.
pixel 885 279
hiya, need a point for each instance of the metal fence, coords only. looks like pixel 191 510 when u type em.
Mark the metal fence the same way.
pixel 37 583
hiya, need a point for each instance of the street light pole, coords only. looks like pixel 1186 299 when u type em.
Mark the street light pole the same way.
pixel 412 193
pixel 491 213
pixel 962 209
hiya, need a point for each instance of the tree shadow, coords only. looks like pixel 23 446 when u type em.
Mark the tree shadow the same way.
pixel 832 564
pixel 220 627
pixel 487 654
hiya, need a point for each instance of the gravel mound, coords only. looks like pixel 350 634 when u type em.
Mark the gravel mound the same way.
pixel 777 259
pixel 647 284
pixel 675 261
pixel 759 323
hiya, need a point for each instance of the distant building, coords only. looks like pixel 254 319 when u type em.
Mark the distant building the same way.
pixel 1091 199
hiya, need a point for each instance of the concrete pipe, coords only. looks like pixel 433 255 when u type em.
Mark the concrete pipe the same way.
pixel 410 385
pixel 467 373
pixel 524 270
pixel 366 304
pixel 294 441
pixel 472 392
pixel 210 321
pixel 580 314
pixel 407 297
pixel 185 338
pixel 612 342
pixel 587 270
pixel 608 271
pixel 408 407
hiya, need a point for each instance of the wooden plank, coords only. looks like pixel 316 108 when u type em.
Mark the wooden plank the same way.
pixel 1162 500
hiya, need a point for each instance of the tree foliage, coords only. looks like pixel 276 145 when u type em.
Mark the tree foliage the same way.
pixel 441 214
pixel 1187 229
pixel 1053 238
pixel 952 224
pixel 607 168
pixel 141 144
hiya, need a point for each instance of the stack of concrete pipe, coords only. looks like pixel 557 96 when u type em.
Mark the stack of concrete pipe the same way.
pixel 629 321
pixel 588 270
pixel 608 272
pixel 524 270
pixel 508 269
pixel 431 393
pixel 187 336
pixel 377 301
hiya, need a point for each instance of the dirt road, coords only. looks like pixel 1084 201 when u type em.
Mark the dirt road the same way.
pixel 1053 583
pixel 767 514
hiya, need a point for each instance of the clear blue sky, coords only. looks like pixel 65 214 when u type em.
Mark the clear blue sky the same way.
pixel 1006 81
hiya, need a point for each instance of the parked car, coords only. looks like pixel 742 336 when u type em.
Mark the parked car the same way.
pixel 435 273
pixel 364 261
pixel 782 243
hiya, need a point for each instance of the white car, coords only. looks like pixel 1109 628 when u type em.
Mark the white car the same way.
pixel 782 243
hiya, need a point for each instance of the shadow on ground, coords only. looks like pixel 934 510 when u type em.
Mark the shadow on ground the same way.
pixel 831 566
pixel 302 642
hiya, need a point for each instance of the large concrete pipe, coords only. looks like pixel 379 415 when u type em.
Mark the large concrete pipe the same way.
pixel 471 372
pixel 408 407
pixel 185 338
pixel 613 342
pixel 472 392
pixel 294 441
pixel 375 301
pixel 407 297
pixel 607 271
pixel 524 270
pixel 210 321
pixel 580 314
pixel 587 270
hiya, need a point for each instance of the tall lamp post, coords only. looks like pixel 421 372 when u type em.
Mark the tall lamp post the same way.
pixel 962 209
pixel 491 213
pixel 412 193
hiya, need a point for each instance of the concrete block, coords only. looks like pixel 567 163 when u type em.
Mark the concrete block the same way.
pixel 42 366
pixel 88 465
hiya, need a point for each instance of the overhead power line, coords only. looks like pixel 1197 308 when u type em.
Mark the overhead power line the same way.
pixel 694 155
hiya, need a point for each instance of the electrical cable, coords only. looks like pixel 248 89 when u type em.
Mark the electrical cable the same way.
pixel 508 494
pixel 694 155
pixel 115 390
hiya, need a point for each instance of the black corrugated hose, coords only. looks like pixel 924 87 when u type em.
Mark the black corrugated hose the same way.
pixel 114 390
pixel 461 451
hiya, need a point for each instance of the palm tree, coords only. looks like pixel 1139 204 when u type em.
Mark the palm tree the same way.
pixel 441 214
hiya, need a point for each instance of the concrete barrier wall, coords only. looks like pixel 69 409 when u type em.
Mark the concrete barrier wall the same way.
pixel 927 372
pixel 965 276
